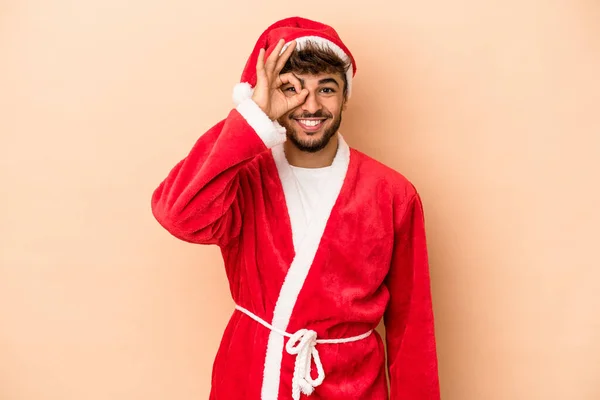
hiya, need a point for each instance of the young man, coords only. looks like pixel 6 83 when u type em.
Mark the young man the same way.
pixel 319 241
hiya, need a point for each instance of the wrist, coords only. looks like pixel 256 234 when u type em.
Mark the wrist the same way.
pixel 267 129
pixel 262 107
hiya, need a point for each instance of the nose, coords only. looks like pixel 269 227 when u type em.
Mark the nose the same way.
pixel 311 104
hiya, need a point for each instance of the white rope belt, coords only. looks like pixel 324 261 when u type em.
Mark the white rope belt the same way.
pixel 302 344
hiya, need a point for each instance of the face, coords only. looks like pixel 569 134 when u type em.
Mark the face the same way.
pixel 311 125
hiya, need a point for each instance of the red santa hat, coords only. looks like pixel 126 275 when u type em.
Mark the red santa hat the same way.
pixel 301 30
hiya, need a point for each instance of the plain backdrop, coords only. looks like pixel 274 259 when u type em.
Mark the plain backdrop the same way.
pixel 491 108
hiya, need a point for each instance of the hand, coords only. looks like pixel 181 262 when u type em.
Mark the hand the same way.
pixel 267 92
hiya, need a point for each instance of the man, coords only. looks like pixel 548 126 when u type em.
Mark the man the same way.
pixel 319 241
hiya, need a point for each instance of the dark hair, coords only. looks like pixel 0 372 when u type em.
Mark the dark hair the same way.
pixel 317 59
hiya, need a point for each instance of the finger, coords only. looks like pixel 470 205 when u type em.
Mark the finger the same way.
pixel 260 61
pixel 290 78
pixel 273 57
pixel 285 57
pixel 260 66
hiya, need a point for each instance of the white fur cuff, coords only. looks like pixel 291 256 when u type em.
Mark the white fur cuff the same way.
pixel 271 133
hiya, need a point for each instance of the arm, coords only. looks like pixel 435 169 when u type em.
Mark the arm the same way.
pixel 410 336
pixel 199 200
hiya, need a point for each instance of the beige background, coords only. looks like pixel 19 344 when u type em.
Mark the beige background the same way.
pixel 490 108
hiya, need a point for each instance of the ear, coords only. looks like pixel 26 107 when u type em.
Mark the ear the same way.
pixel 345 103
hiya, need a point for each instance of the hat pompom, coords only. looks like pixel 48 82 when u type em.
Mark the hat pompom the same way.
pixel 242 91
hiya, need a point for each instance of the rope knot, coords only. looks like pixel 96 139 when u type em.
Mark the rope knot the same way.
pixel 303 344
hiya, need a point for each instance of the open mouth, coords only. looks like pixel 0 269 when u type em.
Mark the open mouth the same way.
pixel 310 124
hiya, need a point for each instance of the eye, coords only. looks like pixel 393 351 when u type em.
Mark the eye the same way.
pixel 328 90
pixel 290 89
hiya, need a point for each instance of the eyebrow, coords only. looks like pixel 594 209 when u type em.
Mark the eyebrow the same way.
pixel 328 80
pixel 321 81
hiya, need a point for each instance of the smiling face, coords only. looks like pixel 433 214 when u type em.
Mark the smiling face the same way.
pixel 322 72
pixel 311 125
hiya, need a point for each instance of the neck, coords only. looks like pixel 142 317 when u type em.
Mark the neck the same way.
pixel 303 159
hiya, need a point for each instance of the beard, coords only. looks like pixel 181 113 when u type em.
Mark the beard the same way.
pixel 311 145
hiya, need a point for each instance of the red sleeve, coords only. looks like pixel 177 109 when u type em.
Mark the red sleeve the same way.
pixel 410 336
pixel 198 201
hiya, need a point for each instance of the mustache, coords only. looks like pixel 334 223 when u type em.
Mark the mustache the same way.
pixel 318 114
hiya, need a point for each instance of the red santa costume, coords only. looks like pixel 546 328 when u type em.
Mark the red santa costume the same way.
pixel 314 259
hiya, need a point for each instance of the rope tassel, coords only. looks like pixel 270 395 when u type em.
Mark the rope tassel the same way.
pixel 303 344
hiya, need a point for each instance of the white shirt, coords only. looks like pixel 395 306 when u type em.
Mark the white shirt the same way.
pixel 310 183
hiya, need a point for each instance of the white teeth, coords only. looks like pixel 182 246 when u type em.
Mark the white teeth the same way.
pixel 307 122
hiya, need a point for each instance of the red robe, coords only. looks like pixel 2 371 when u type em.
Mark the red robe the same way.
pixel 363 258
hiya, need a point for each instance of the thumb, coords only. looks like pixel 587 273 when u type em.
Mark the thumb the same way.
pixel 298 99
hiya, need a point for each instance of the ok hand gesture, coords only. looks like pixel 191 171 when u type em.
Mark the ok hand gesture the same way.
pixel 267 92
